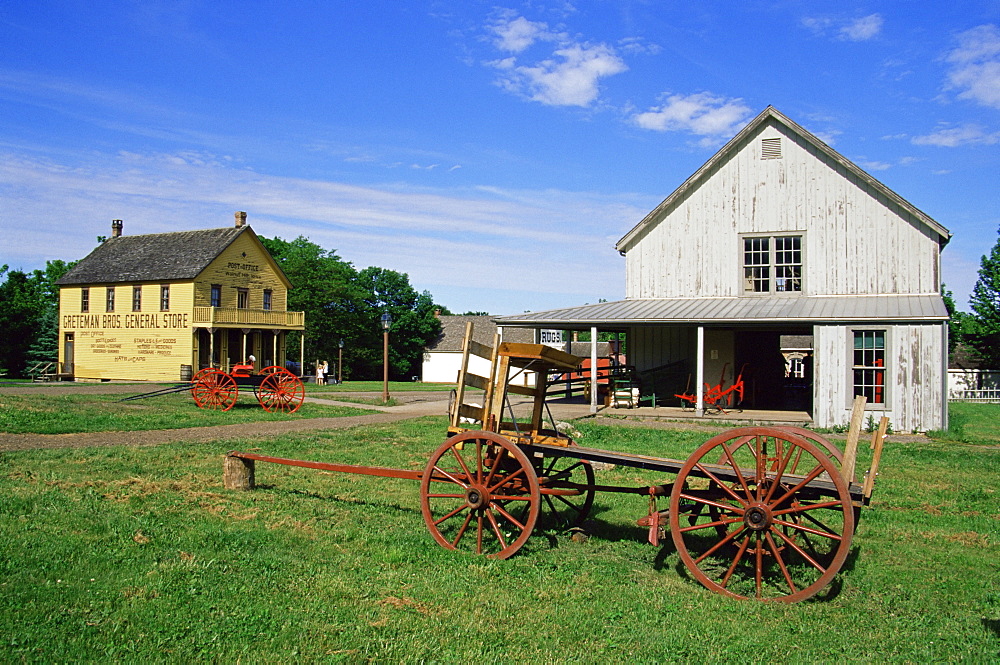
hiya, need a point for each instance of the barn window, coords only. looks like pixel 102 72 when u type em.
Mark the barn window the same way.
pixel 136 298
pixel 85 299
pixel 770 148
pixel 772 264
pixel 109 305
pixel 869 365
pixel 164 297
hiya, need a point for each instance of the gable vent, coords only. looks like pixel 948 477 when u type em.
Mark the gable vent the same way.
pixel 770 148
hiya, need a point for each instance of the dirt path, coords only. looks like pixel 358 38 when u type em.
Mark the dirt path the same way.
pixel 414 405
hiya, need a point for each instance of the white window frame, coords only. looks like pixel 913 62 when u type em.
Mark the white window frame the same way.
pixel 772 264
pixel 887 368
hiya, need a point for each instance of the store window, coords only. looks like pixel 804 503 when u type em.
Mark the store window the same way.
pixel 216 295
pixel 242 298
pixel 164 297
pixel 267 298
pixel 136 298
pixel 109 304
pixel 85 299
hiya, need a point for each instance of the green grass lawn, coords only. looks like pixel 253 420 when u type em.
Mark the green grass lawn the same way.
pixel 136 554
pixel 70 413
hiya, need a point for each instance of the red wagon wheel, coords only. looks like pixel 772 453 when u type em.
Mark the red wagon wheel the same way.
pixel 768 532
pixel 480 494
pixel 280 391
pixel 214 389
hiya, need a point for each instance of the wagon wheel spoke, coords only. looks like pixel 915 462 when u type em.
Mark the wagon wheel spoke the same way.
pixel 491 499
pixel 770 532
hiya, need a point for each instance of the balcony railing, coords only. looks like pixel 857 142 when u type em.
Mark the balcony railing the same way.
pixel 236 316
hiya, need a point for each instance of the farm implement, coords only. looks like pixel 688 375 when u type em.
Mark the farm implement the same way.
pixel 756 512
pixel 275 388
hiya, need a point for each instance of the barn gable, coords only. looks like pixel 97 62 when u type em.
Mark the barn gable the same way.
pixel 855 235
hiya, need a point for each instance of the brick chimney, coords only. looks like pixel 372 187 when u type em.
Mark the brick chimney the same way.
pixel 116 228
pixel 241 219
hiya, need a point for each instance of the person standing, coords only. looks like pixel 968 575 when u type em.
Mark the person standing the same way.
pixel 319 373
pixel 326 371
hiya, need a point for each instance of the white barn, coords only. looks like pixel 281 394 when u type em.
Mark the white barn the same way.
pixel 779 237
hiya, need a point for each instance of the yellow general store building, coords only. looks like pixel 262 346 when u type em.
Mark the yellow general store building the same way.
pixel 159 307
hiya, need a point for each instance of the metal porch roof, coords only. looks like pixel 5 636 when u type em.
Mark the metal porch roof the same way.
pixel 800 309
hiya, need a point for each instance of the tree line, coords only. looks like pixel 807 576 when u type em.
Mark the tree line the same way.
pixel 974 337
pixel 339 301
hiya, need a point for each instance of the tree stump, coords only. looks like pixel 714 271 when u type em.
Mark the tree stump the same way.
pixel 238 473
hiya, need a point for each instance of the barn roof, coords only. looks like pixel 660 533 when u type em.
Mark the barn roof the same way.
pixel 771 113
pixel 804 309
pixel 179 255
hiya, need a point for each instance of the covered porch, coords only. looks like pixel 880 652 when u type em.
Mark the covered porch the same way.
pixel 701 347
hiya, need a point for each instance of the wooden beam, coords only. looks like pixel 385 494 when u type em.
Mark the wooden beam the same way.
pixel 878 440
pixel 853 433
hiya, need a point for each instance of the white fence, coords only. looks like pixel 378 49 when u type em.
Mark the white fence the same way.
pixel 984 395
pixel 973 385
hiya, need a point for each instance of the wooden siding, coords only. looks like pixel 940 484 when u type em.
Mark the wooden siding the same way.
pixel 915 376
pixel 146 345
pixel 244 264
pixel 855 241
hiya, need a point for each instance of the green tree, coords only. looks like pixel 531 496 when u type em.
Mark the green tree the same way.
pixel 324 286
pixel 985 302
pixel 961 325
pixel 45 346
pixel 414 324
pixel 20 306
pixel 29 306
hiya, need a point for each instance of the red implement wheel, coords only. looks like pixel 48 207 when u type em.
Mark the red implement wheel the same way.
pixel 281 391
pixel 480 494
pixel 214 389
pixel 768 532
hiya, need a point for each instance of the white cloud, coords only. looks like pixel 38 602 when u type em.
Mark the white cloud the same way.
pixel 874 166
pixel 702 113
pixel 517 34
pixel 976 65
pixel 952 137
pixel 862 29
pixel 491 237
pixel 570 80
pixel 852 30
pixel 569 76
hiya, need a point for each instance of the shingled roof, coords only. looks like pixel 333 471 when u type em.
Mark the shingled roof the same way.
pixel 484 327
pixel 154 257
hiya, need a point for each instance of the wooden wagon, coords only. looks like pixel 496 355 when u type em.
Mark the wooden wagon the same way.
pixel 275 388
pixel 756 512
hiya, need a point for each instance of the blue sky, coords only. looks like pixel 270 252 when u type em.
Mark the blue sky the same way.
pixel 493 152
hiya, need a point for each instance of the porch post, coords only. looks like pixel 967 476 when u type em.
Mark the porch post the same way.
pixel 302 353
pixel 593 369
pixel 700 373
